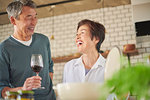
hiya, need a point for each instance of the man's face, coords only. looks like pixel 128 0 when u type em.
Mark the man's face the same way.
pixel 26 23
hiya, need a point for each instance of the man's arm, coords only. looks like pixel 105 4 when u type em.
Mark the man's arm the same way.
pixel 9 89
pixel 31 82
pixel 50 60
pixel 51 75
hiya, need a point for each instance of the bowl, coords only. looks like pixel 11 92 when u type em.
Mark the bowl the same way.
pixel 129 47
pixel 78 91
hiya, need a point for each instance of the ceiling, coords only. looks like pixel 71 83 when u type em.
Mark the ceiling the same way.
pixel 61 7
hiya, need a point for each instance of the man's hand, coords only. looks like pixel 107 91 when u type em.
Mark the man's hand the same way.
pixel 32 82
pixel 29 84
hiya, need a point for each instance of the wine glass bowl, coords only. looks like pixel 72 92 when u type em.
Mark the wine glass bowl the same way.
pixel 37 65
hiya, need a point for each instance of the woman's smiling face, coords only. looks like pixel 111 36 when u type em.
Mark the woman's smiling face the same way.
pixel 83 39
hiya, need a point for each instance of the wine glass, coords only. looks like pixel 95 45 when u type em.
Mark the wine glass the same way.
pixel 37 65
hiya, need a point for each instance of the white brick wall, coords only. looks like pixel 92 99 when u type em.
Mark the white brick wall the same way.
pixel 119 31
pixel 58 72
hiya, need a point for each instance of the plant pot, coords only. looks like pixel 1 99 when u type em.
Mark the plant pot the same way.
pixel 132 97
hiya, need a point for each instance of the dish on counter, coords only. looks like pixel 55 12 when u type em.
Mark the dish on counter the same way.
pixel 78 91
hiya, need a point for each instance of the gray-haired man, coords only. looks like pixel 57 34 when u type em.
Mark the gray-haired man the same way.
pixel 15 54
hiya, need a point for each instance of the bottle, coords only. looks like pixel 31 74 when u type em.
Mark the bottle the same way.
pixel 10 95
pixel 25 95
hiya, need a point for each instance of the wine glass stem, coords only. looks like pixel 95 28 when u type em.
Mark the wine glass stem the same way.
pixel 37 74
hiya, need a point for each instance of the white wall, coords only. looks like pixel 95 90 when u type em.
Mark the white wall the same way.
pixel 138 2
pixel 141 12
pixel 119 31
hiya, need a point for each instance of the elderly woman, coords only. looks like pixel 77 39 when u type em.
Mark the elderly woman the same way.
pixel 91 65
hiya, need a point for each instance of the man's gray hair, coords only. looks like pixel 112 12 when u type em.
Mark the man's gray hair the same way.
pixel 15 8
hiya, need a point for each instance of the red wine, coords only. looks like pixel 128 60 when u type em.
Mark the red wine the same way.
pixel 36 68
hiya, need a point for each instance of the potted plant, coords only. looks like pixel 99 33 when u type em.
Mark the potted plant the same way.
pixel 133 81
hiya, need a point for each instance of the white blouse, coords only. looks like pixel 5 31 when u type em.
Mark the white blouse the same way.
pixel 74 71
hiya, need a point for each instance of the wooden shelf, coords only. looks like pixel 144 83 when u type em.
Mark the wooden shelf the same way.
pixel 65 58
pixel 72 56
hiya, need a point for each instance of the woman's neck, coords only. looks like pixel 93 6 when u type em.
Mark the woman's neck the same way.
pixel 90 59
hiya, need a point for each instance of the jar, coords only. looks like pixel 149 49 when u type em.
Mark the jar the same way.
pixel 25 95
pixel 11 95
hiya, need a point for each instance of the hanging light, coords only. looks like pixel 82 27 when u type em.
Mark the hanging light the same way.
pixel 52 10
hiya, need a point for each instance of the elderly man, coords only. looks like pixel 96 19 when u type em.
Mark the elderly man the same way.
pixel 15 54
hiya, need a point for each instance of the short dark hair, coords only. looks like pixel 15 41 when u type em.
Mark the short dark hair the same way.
pixel 96 29
pixel 15 8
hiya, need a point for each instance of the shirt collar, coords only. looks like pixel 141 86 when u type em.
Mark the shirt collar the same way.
pixel 99 63
pixel 27 43
pixel 79 61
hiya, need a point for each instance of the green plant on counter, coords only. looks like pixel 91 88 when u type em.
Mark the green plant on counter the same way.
pixel 134 80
